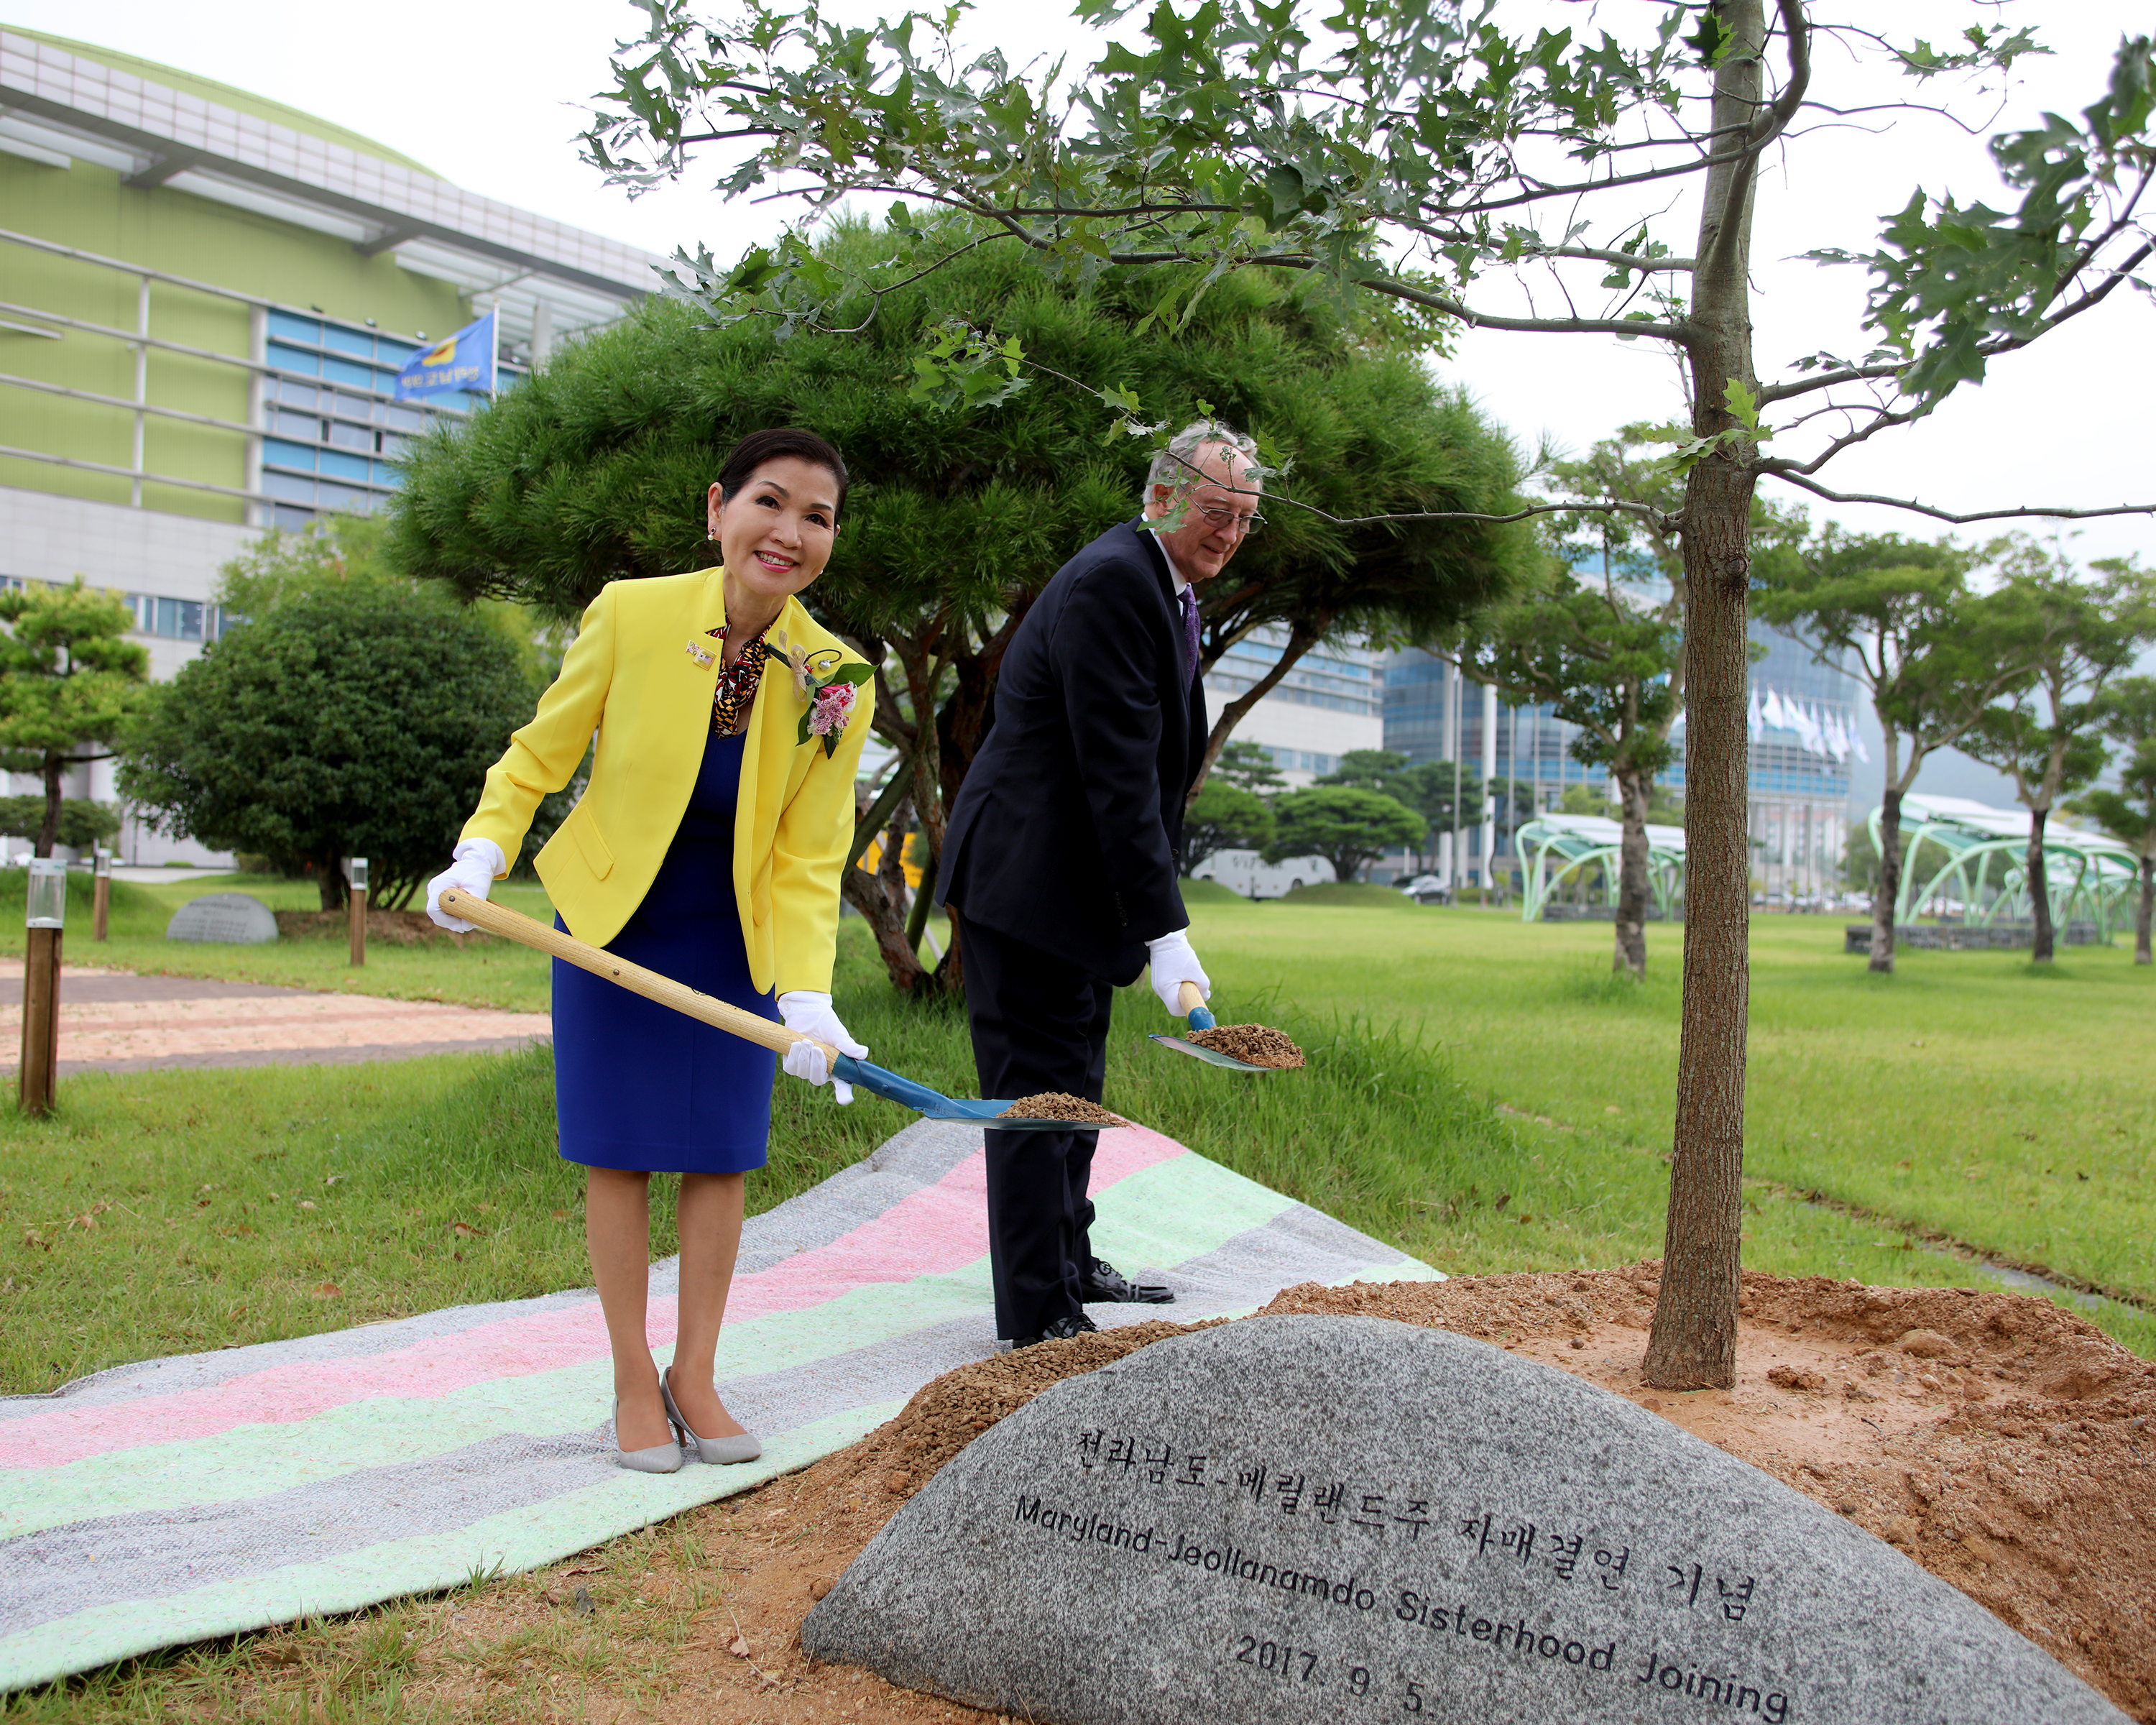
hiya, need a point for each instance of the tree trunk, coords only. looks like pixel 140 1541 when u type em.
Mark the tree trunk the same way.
pixel 48 834
pixel 329 881
pixel 880 898
pixel 1887 895
pixel 2142 916
pixel 1632 877
pixel 2040 892
pixel 1693 1342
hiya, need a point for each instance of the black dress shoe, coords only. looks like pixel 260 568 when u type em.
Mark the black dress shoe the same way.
pixel 1062 1330
pixel 1104 1285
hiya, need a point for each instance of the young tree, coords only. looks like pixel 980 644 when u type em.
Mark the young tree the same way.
pixel 2129 813
pixel 1608 661
pixel 2076 638
pixel 1418 154
pixel 1224 817
pixel 1349 829
pixel 595 469
pixel 70 680
pixel 360 722
pixel 1894 614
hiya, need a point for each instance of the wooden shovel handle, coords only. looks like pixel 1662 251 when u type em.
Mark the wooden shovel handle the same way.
pixel 516 926
pixel 1187 997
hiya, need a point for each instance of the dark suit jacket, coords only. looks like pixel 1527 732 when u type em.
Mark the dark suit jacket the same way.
pixel 1067 833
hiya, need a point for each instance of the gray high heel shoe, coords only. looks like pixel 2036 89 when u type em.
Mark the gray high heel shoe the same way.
pixel 659 1458
pixel 742 1446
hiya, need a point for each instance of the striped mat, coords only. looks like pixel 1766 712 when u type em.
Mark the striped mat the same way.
pixel 212 1493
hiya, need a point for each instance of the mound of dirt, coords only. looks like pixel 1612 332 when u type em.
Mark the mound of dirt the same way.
pixel 397 928
pixel 1999 1441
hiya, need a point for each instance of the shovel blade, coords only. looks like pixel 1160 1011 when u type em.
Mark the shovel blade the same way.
pixel 1211 1056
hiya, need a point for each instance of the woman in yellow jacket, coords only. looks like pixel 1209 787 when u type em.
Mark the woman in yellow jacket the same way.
pixel 730 730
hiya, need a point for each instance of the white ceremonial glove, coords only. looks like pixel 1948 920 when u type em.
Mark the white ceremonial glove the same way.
pixel 810 1012
pixel 1174 964
pixel 476 864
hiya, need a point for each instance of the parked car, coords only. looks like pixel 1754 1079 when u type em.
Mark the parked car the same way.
pixel 1426 890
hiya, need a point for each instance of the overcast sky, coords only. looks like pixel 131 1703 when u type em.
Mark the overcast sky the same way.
pixel 488 95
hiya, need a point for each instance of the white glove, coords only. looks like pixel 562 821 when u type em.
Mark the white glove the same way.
pixel 1174 964
pixel 810 1012
pixel 476 863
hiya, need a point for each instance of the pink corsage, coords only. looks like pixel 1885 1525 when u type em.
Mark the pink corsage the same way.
pixel 833 707
pixel 831 689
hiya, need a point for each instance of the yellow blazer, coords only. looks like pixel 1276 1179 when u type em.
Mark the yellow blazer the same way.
pixel 635 675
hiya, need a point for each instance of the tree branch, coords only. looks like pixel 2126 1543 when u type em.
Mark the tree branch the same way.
pixel 2027 512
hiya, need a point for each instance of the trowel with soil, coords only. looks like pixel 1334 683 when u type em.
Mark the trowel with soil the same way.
pixel 1005 1114
pixel 1240 1048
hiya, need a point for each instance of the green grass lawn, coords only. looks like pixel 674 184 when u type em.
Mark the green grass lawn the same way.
pixel 1481 1093
pixel 485 972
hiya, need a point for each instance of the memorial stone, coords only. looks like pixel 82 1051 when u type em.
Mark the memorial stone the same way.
pixel 1340 1519
pixel 236 917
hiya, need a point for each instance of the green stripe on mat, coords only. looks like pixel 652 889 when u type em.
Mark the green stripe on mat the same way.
pixel 519 1539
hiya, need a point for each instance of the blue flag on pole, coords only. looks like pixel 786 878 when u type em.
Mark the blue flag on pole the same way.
pixel 464 362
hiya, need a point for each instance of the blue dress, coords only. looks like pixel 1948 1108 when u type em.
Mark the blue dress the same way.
pixel 637 1085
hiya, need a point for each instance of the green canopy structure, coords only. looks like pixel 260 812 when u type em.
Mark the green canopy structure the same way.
pixel 1968 860
pixel 1552 846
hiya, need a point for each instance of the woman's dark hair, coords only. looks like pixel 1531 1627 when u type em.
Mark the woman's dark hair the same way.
pixel 758 447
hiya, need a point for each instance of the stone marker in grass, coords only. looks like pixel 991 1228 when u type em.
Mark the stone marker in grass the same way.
pixel 1347 1519
pixel 237 918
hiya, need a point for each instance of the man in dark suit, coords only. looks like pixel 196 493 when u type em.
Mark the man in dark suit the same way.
pixel 1060 863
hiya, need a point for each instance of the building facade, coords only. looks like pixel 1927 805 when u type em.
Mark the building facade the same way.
pixel 1804 739
pixel 205 298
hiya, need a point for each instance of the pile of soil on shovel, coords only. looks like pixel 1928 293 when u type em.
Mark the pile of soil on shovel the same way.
pixel 1054 1105
pixel 2000 1442
pixel 1255 1044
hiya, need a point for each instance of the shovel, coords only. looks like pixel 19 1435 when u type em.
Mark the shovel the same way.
pixel 934 1105
pixel 1194 1003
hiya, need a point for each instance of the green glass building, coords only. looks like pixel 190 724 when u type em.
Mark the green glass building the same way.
pixel 205 298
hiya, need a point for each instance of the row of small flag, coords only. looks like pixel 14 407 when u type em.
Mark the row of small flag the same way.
pixel 1820 730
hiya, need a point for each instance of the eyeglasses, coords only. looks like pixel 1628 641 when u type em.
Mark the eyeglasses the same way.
pixel 1217 517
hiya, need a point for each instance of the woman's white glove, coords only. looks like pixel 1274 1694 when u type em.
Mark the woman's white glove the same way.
pixel 1174 964
pixel 810 1012
pixel 477 862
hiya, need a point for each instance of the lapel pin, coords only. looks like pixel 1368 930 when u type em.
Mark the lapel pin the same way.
pixel 701 655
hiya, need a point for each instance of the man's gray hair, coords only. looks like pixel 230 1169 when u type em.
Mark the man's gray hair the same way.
pixel 1176 463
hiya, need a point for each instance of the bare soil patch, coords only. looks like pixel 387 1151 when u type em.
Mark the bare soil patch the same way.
pixel 397 928
pixel 1999 1441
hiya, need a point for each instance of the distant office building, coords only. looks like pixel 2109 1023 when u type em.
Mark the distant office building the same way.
pixel 1329 704
pixel 1804 739
pixel 205 298
pixel 1332 702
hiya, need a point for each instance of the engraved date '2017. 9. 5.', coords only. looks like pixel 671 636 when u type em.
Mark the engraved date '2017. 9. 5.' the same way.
pixel 1288 1664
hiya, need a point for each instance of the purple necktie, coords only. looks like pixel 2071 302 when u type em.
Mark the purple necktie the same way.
pixel 1190 634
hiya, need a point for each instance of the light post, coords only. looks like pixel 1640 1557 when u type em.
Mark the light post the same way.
pixel 101 894
pixel 356 903
pixel 44 914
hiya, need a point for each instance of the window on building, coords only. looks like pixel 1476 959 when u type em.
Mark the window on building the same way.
pixel 333 429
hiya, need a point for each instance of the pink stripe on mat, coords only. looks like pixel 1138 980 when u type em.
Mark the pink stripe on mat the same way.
pixel 933 1231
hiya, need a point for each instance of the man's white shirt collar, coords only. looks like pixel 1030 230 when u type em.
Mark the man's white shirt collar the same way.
pixel 1174 574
